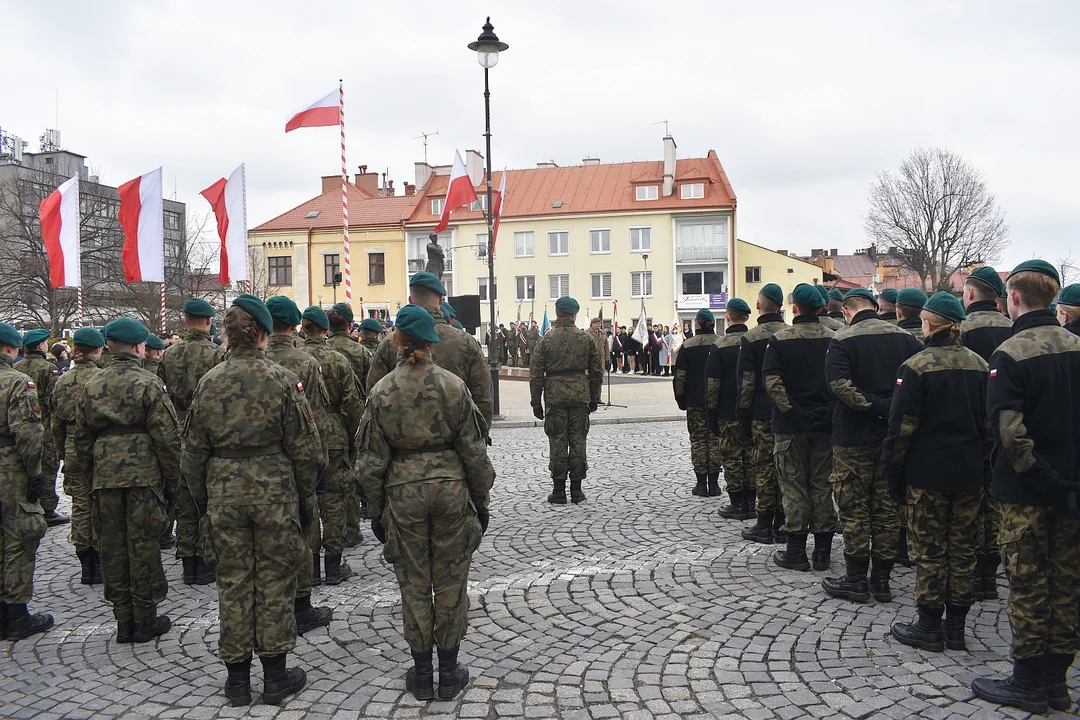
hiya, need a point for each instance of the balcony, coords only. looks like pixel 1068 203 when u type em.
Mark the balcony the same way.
pixel 416 265
pixel 709 253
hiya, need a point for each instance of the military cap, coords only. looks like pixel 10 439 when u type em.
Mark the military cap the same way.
pixel 344 310
pixel 1070 295
pixel 823 292
pixel 738 305
pixel 861 293
pixel 1039 266
pixel 568 305
pixel 774 292
pixel 889 295
pixel 705 314
pixel 318 316
pixel 428 281
pixel 127 330
pixel 372 325
pixel 283 310
pixel 835 294
pixel 255 307
pixel 1053 306
pixel 88 337
pixel 989 276
pixel 9 335
pixel 33 338
pixel 416 321
pixel 911 297
pixel 946 305
pixel 153 342
pixel 458 325
pixel 197 307
pixel 448 309
pixel 805 296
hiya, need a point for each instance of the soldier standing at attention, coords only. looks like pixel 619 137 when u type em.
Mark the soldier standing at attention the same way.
pixel 755 417
pixel 909 305
pixel 36 366
pixel 836 306
pixel 512 345
pixel 182 367
pixel 933 455
pixel 823 314
pixel 341 320
pixel 691 394
pixel 251 457
pixel 427 485
pixel 887 306
pixel 22 522
pixel 794 376
pixel 1032 405
pixel 1068 308
pixel 155 348
pixel 722 373
pixel 599 336
pixel 861 371
pixel 370 332
pixel 532 336
pixel 66 395
pixel 127 439
pixel 566 376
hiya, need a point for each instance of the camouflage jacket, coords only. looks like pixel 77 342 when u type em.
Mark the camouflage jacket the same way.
pixel 280 349
pixel 532 337
pixel 359 359
pixel 371 346
pixel 722 374
pixel 565 370
pixel 422 425
pixel 151 366
pixel 599 337
pixel 21 432
pixel 126 433
pixel 793 373
pixel 343 404
pixel 690 382
pixel 65 398
pixel 456 351
pixel 44 374
pixel 754 402
pixel 985 328
pixel 913 326
pixel 832 323
pixel 183 365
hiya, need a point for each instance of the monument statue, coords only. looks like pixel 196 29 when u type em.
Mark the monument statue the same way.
pixel 435 256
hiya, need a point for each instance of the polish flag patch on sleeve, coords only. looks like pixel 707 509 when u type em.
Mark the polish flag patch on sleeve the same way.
pixel 993 373
pixel 30 384
pixel 899 381
pixel 300 386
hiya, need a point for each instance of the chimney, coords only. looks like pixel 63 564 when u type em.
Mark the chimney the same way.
pixel 410 190
pixel 423 174
pixel 547 165
pixel 474 166
pixel 834 252
pixel 330 182
pixel 817 252
pixel 390 188
pixel 367 181
pixel 669 166
pixel 781 252
pixel 590 161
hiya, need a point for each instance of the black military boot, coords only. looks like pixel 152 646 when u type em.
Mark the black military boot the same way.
pixel 316 567
pixel 308 617
pixel 453 676
pixel 701 489
pixel 86 560
pixel 976 579
pixel 793 557
pixel 762 532
pixel 125 629
pixel 822 550
pixel 902 556
pixel 145 632
pixel 734 511
pixel 420 679
pixel 853 585
pixel 191 567
pixel 279 682
pixel 880 575
pixel 337 571
pixel 924 632
pixel 714 484
pixel 1023 689
pixel 21 624
pixel 989 576
pixel 952 629
pixel 558 492
pixel 204 574
pixel 167 540
pixel 749 511
pixel 576 495
pixel 778 534
pixel 1055 669
pixel 96 578
pixel 238 684
pixel 53 518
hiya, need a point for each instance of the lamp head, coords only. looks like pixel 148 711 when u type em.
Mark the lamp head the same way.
pixel 488 46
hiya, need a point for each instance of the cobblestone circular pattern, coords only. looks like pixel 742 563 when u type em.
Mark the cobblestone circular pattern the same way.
pixel 639 603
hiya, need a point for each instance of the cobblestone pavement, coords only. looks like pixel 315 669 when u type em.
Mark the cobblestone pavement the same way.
pixel 639 603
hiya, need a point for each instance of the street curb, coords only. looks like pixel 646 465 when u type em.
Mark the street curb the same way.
pixel 511 424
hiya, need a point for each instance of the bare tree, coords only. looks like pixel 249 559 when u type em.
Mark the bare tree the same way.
pixel 936 215
pixel 1069 269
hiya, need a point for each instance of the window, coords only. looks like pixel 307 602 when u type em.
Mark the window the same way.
pixel 693 191
pixel 641 239
pixel 753 274
pixel 437 206
pixel 599 241
pixel 699 283
pixel 482 244
pixel 331 266
pixel 648 192
pixel 523 244
pixel 479 204
pixel 526 287
pixel 482 285
pixel 601 286
pixel 641 284
pixel 558 286
pixel 280 270
pixel 376 268
pixel 559 244
pixel 702 241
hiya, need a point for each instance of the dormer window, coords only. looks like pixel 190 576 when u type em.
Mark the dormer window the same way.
pixel 693 191
pixel 648 192
pixel 437 206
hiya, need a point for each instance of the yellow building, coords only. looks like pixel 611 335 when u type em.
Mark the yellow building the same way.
pixel 757 266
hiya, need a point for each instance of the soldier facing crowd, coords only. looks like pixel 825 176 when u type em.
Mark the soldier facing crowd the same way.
pixel 36 365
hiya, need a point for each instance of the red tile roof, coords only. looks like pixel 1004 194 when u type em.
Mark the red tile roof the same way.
pixel 364 211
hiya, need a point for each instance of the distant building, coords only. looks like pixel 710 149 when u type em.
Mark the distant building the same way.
pixel 876 269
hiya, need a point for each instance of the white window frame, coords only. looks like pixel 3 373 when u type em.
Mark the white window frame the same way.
pixel 600 233
pixel 592 286
pixel 480 203
pixel 641 275
pixel 647 230
pixel 560 288
pixel 437 205
pixel 482 241
pixel 522 282
pixel 530 237
pixel 647 192
pixel 481 289
pixel 559 254
pixel 692 191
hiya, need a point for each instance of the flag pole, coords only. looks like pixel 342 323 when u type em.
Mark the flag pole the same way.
pixel 80 306
pixel 347 267
pixel 162 304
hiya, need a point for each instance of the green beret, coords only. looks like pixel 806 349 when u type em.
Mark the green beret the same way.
pixel 317 315
pixel 416 321
pixel 283 310
pixel 989 276
pixel 1039 266
pixel 705 314
pixel 255 307
pixel 343 310
pixel 889 295
pixel 567 305
pixel 372 325
pixel 861 293
pixel 738 305
pixel 197 307
pixel 427 280
pixel 9 335
pixel 127 330
pixel 153 342
pixel 458 325
pixel 1053 306
pixel 911 297
pixel 774 292
pixel 88 337
pixel 1070 295
pixel 213 329
pixel 33 338
pixel 823 292
pixel 806 296
pixel 946 305
pixel 835 294
pixel 449 310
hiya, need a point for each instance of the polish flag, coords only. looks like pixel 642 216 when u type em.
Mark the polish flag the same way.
pixel 60 232
pixel 229 200
pixel 497 203
pixel 142 217
pixel 615 322
pixel 459 192
pixel 324 112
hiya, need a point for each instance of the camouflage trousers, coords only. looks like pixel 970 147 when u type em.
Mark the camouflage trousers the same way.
pixel 870 518
pixel 431 533
pixel 991 525
pixel 734 456
pixel 943 533
pixel 803 463
pixel 77 486
pixel 189 541
pixel 306 572
pixel 21 528
pixel 704 445
pixel 259 550
pixel 353 523
pixel 50 466
pixel 764 467
pixel 332 506
pixel 567 429
pixel 1040 550
pixel 129 521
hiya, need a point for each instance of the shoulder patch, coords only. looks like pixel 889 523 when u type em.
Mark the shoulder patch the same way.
pixel 165 389
pixel 899 381
pixel 993 373
pixel 55 372
pixel 300 386
pixel 30 384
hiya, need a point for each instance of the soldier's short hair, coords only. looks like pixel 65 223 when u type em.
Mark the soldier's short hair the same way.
pixel 907 312
pixel 310 329
pixel 120 348
pixel 241 329
pixel 337 322
pixel 1036 289
pixel 737 318
pixel 767 304
pixel 983 291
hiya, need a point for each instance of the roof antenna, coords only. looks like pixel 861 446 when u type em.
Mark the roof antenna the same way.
pixel 425 136
pixel 665 124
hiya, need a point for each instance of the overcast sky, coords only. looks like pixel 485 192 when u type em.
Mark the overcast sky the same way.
pixel 803 102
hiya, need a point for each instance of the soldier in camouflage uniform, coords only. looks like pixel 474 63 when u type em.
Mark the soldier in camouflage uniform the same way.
pixel 127 440
pixel 252 455
pixel 65 398
pixel 341 319
pixel 36 365
pixel 599 336
pixel 155 348
pixel 532 337
pixel 427 484
pixel 1033 409
pixel 1068 308
pixel 938 440
pixel 836 306
pixel 887 306
pixel 566 376
pixel 909 305
pixel 22 522
pixel 722 373
pixel 691 394
pixel 371 331
pixel 512 345
pixel 823 314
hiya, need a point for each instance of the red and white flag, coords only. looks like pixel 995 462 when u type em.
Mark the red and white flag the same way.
pixel 142 217
pixel 60 232
pixel 497 203
pixel 459 192
pixel 324 112
pixel 228 198
pixel 615 322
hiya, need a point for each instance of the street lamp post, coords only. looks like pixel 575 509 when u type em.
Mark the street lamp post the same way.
pixel 487 47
